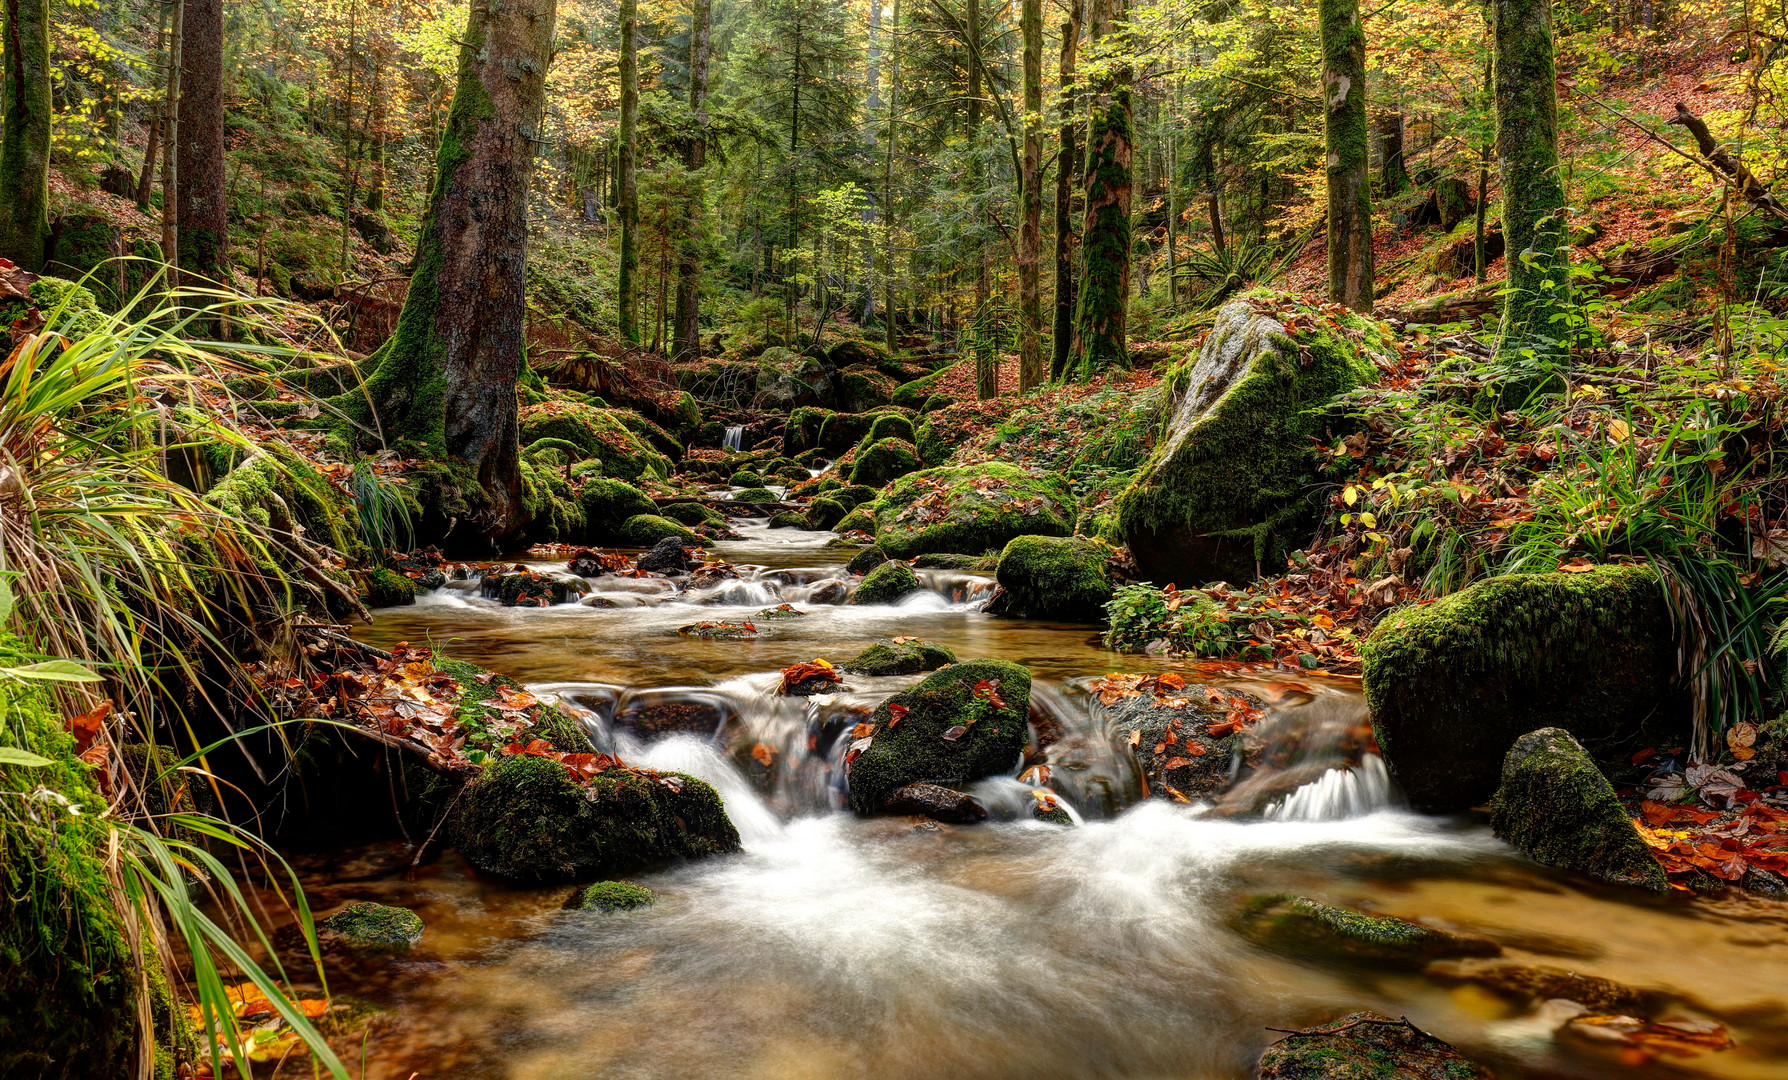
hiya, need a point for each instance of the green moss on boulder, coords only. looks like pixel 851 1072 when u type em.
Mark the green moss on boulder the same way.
pixel 1304 928
pixel 1558 808
pixel 756 495
pixel 866 560
pixel 987 699
pixel 861 388
pixel 526 820
pixel 1056 577
pixel 615 896
pixel 368 927
pixel 885 460
pixel 858 520
pixel 644 530
pixel 388 588
pixel 692 514
pixel 1453 684
pixel 747 478
pixel 949 560
pixel 843 430
pixel 1228 492
pixel 608 504
pixel 891 657
pixel 888 426
pixel 825 512
pixel 801 432
pixel 1365 1046
pixel 886 584
pixel 970 509
pixel 598 433
pixel 790 519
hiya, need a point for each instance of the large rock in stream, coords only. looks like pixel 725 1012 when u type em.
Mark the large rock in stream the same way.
pixel 1309 929
pixel 1366 1046
pixel 1453 684
pixel 1226 493
pixel 1558 808
pixel 960 723
pixel 969 509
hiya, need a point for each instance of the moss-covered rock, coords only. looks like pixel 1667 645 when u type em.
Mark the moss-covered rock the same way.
pixel 906 657
pixel 884 460
pixel 888 425
pixel 866 560
pixel 790 519
pixel 364 926
pixel 1453 684
pixel 527 820
pixel 841 431
pixel 387 588
pixel 756 495
pixel 1227 491
pixel 949 560
pixel 1051 577
pixel 859 520
pixel 861 388
pixel 747 478
pixel 825 512
pixel 615 896
pixel 971 509
pixel 1304 928
pixel 855 495
pixel 608 504
pixel 599 433
pixel 886 584
pixel 801 432
pixel 645 530
pixel 692 514
pixel 529 588
pixel 961 723
pixel 1558 809
pixel 1365 1046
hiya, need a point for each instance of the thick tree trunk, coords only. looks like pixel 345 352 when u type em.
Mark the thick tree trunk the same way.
pixel 25 133
pixel 1533 199
pixel 689 305
pixel 1067 169
pixel 1031 372
pixel 1346 139
pixel 627 320
pixel 1393 174
pixel 204 180
pixel 1104 294
pixel 446 379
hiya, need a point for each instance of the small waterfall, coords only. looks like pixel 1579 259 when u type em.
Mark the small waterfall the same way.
pixel 735 438
pixel 1339 794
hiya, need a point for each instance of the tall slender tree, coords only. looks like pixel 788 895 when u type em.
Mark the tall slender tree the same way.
pixel 689 305
pixel 25 133
pixel 1533 199
pixel 204 182
pixel 1103 301
pixel 170 153
pixel 627 320
pixel 445 380
pixel 1067 171
pixel 1031 370
pixel 1347 140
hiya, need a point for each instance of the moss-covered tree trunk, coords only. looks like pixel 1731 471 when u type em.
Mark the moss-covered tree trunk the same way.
pixel 204 181
pixel 25 133
pixel 1533 222
pixel 1348 167
pixel 689 306
pixel 1103 301
pixel 1067 168
pixel 1031 372
pixel 446 379
pixel 628 285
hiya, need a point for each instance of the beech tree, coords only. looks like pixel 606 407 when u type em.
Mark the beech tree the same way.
pixel 1348 167
pixel 25 133
pixel 446 378
pixel 1103 298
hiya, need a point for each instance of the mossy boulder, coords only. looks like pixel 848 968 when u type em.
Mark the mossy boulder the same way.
pixel 866 560
pixel 1227 492
pixel 692 514
pixel 747 478
pixel 1056 577
pixel 886 584
pixel 949 560
pixel 888 426
pixel 825 512
pixel 608 504
pixel 364 926
pixel 970 509
pixel 883 461
pixel 801 432
pixel 1365 1046
pixel 1453 684
pixel 1558 809
pixel 856 494
pixel 599 433
pixel 842 430
pixel 906 657
pixel 387 588
pixel 959 724
pixel 1304 928
pixel 645 530
pixel 914 393
pixel 858 520
pixel 861 388
pixel 525 819
pixel 756 495
pixel 1175 752
pixel 790 519
pixel 615 896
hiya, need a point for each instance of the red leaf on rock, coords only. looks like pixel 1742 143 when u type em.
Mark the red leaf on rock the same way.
pixel 896 714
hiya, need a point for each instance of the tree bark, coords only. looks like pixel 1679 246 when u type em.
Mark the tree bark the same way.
pixel 446 379
pixel 689 306
pixel 1067 168
pixel 1393 174
pixel 627 320
pixel 204 181
pixel 1031 372
pixel 1480 257
pixel 25 133
pixel 891 333
pixel 1533 199
pixel 146 181
pixel 1345 138
pixel 1102 306
pixel 170 153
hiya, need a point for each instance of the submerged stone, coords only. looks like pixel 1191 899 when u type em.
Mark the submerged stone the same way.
pixel 886 584
pixel 368 927
pixel 1537 982
pixel 615 896
pixel 1366 1046
pixel 908 657
pixel 961 723
pixel 1303 928
pixel 936 802
pixel 1558 809
pixel 1050 577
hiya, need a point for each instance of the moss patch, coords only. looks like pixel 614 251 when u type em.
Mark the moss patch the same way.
pixel 615 896
pixel 608 504
pixel 885 460
pixel 598 433
pixel 1305 928
pixel 644 530
pixel 987 699
pixel 900 658
pixel 369 927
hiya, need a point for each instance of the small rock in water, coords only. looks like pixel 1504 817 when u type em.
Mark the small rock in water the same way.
pixel 900 656
pixel 1537 982
pixel 666 557
pixel 1308 929
pixel 936 802
pixel 615 896
pixel 831 591
pixel 1362 1045
pixel 364 926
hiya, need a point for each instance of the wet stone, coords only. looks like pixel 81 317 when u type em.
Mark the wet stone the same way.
pixel 656 714
pixel 936 802
pixel 1303 928
pixel 1366 1046
pixel 364 926
pixel 1538 982
pixel 829 592
pixel 666 557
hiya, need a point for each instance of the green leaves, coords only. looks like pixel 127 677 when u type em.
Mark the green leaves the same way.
pixel 66 671
pixel 12 755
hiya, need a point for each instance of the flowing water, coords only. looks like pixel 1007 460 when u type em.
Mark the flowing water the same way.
pixel 885 949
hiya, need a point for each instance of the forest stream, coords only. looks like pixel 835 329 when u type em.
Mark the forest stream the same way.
pixel 837 946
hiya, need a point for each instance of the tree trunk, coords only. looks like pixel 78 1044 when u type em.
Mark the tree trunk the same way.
pixel 202 191
pixel 25 134
pixel 891 334
pixel 1067 168
pixel 1394 176
pixel 986 359
pixel 446 379
pixel 689 305
pixel 1031 372
pixel 170 152
pixel 1103 304
pixel 1480 257
pixel 145 183
pixel 1345 137
pixel 629 194
pixel 1533 199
